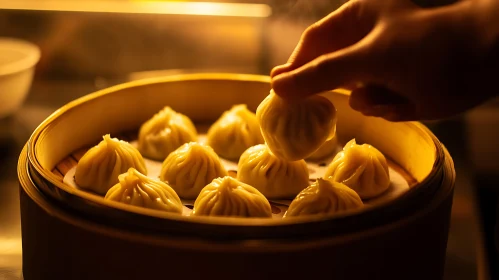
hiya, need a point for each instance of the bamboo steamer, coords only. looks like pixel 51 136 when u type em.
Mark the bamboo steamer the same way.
pixel 71 234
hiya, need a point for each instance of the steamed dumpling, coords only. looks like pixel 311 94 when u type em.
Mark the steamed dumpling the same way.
pixel 361 167
pixel 229 197
pixel 274 177
pixel 190 168
pixel 234 132
pixel 327 149
pixel 136 189
pixel 295 129
pixel 99 168
pixel 324 197
pixel 165 132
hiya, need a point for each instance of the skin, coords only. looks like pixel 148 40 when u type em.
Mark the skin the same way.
pixel 402 62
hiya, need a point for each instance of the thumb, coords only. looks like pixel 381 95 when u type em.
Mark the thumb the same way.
pixel 345 67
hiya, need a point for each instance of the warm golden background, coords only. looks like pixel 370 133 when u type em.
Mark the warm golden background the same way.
pixel 87 45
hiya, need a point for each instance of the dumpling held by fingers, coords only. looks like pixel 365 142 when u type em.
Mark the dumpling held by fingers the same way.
pixel 190 168
pixel 100 166
pixel 164 132
pixel 324 197
pixel 274 177
pixel 361 167
pixel 234 132
pixel 231 198
pixel 295 129
pixel 134 188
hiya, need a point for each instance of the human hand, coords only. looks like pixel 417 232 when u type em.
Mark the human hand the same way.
pixel 401 62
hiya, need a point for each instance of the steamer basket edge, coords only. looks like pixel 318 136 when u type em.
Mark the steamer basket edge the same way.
pixel 188 77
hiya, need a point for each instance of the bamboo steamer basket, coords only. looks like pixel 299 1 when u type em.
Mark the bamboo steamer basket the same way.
pixel 71 234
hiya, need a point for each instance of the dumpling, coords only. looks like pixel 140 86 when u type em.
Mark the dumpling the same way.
pixel 234 132
pixel 294 129
pixel 361 167
pixel 190 168
pixel 229 197
pixel 324 197
pixel 327 149
pixel 136 189
pixel 99 168
pixel 165 132
pixel 274 177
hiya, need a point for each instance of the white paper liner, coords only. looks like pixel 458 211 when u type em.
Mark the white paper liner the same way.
pixel 398 186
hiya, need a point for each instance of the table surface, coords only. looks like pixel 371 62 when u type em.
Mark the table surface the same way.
pixel 47 96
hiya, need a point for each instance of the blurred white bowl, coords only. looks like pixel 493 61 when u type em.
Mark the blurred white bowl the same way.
pixel 17 61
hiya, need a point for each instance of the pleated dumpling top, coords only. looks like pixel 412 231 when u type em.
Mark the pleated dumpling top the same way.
pixel 234 132
pixel 361 167
pixel 324 197
pixel 276 178
pixel 164 132
pixel 100 166
pixel 190 168
pixel 135 188
pixel 231 198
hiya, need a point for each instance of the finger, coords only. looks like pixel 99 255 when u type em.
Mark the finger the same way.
pixel 344 67
pixel 372 95
pixel 342 28
pixel 380 102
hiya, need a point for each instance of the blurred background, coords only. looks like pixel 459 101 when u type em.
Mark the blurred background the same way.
pixel 89 45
